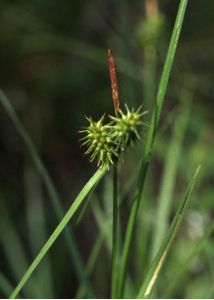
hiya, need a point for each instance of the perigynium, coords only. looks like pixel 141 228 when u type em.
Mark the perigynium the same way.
pixel 127 127
pixel 105 142
pixel 99 141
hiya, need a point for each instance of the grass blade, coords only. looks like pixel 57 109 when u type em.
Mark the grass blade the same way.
pixel 185 265
pixel 152 275
pixel 79 199
pixel 18 266
pixel 86 207
pixel 150 141
pixel 36 225
pixel 69 235
pixel 170 169
pixel 104 222
pixel 114 258
pixel 92 259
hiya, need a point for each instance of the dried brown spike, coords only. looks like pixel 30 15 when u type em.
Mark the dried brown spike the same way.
pixel 113 77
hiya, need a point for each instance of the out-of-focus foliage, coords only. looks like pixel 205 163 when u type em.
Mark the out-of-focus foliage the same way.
pixel 53 68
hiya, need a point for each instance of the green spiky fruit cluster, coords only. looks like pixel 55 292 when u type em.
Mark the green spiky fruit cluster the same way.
pixel 127 127
pixel 99 142
pixel 106 142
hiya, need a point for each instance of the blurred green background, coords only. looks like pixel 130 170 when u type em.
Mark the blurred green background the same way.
pixel 54 70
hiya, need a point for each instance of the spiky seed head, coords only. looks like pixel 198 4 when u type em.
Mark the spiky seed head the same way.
pixel 127 127
pixel 100 145
pixel 106 142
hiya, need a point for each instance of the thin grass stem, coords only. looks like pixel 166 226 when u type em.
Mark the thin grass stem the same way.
pixel 170 169
pixel 154 270
pixel 91 262
pixel 54 197
pixel 114 261
pixel 8 236
pixel 86 207
pixel 150 141
pixel 76 203
pixel 37 232
pixel 187 262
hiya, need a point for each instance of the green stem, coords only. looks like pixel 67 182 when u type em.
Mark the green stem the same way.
pixel 149 76
pixel 153 272
pixel 91 263
pixel 150 141
pixel 170 169
pixel 54 197
pixel 114 261
pixel 86 189
pixel 179 276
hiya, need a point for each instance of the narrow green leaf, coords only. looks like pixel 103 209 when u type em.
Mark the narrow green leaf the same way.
pixel 153 273
pixel 36 226
pixel 170 169
pixel 150 141
pixel 185 265
pixel 9 236
pixel 81 196
pixel 86 206
pixel 68 233
pixel 114 258
pixel 92 259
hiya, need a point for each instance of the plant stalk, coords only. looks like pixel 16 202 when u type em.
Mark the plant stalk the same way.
pixel 73 208
pixel 153 272
pixel 150 141
pixel 53 194
pixel 114 261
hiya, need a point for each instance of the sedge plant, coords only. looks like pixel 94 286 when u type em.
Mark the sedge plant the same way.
pixel 106 141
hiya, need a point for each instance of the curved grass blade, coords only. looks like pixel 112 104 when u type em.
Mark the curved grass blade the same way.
pixel 86 207
pixel 170 169
pixel 185 265
pixel 115 241
pixel 36 226
pixel 153 273
pixel 150 141
pixel 9 236
pixel 54 197
pixel 104 222
pixel 91 262
pixel 79 199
